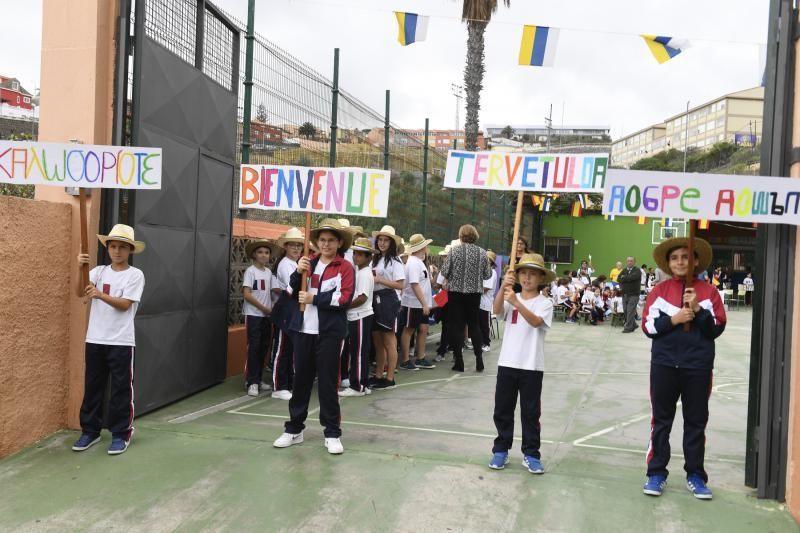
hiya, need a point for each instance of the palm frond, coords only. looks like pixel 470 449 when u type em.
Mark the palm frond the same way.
pixel 480 10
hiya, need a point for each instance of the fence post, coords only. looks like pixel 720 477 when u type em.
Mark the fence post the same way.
pixel 503 223
pixel 386 135
pixel 248 81
pixel 334 105
pixel 452 198
pixel 425 180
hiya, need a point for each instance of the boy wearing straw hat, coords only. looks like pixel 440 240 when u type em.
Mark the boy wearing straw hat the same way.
pixel 283 365
pixel 416 300
pixel 257 287
pixel 359 322
pixel 319 333
pixel 115 291
pixel 520 368
pixel 681 360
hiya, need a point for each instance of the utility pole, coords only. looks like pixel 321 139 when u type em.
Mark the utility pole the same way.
pixel 458 92
pixel 386 128
pixel 248 80
pixel 425 180
pixel 334 106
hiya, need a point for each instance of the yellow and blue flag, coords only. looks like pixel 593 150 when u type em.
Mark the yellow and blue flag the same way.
pixel 538 48
pixel 665 221
pixel 665 48
pixel 610 217
pixel 411 27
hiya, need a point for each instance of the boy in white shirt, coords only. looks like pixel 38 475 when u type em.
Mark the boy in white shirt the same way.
pixel 487 300
pixel 257 287
pixel 528 316
pixel 359 320
pixel 115 291
pixel 417 300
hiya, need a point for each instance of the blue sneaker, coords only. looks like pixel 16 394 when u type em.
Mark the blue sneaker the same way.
pixel 119 445
pixel 85 442
pixel 408 365
pixel 654 485
pixel 499 460
pixel 424 363
pixel 698 487
pixel 533 464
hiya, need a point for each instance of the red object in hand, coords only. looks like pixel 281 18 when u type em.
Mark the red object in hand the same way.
pixel 440 298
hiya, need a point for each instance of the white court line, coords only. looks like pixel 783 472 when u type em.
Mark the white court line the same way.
pixel 211 409
pixel 393 426
pixel 637 418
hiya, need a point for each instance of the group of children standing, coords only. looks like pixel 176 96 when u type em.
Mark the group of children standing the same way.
pixel 351 298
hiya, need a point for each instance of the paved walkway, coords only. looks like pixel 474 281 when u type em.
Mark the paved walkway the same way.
pixel 415 458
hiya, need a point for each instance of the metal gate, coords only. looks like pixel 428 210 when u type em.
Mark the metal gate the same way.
pixel 182 97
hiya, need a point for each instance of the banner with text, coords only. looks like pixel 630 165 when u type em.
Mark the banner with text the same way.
pixel 344 191
pixel 702 196
pixel 80 165
pixel 511 171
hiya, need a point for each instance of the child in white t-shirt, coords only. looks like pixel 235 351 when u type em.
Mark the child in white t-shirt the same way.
pixel 115 291
pixel 359 320
pixel 487 302
pixel 257 287
pixel 416 300
pixel 528 315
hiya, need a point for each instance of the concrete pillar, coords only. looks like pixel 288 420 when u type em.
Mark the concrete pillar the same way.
pixel 77 81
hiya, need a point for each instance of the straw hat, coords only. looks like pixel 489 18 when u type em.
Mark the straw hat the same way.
pixel 701 247
pixel 252 246
pixel 416 243
pixel 388 231
pixel 291 235
pixel 356 231
pixel 362 244
pixel 331 224
pixel 535 261
pixel 122 233
pixel 492 256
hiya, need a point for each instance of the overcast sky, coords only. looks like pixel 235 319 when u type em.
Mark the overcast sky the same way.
pixel 603 74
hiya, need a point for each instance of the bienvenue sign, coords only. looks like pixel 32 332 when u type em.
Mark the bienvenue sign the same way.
pixel 702 196
pixel 500 171
pixel 344 191
pixel 80 165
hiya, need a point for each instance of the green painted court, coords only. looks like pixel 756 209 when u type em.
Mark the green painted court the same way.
pixel 415 458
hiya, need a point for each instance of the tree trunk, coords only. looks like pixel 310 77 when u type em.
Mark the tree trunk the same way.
pixel 473 80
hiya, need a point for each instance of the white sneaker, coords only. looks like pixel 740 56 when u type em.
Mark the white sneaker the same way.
pixel 367 391
pixel 345 383
pixel 485 348
pixel 351 392
pixel 334 446
pixel 288 439
pixel 252 390
pixel 282 395
pixel 266 386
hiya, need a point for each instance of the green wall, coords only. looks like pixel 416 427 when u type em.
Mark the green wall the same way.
pixel 607 241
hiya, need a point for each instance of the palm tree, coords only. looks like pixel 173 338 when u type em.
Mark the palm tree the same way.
pixel 476 13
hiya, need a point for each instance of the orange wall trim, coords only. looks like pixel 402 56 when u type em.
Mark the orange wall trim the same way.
pixel 237 351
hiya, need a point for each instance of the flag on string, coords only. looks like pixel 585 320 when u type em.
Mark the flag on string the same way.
pixel 546 203
pixel 538 47
pixel 537 200
pixel 411 28
pixel 641 220
pixel 576 208
pixel 702 224
pixel 666 222
pixel 584 200
pixel 665 48
pixel 609 217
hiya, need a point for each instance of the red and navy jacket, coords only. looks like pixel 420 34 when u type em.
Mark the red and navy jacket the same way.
pixel 672 346
pixel 334 293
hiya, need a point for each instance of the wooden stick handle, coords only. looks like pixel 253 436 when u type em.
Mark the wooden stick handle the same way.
pixel 304 277
pixel 517 217
pixel 690 274
pixel 84 235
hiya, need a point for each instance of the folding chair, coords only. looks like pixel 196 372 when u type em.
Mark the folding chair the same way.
pixel 494 326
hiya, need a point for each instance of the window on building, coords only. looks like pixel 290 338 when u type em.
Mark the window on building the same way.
pixel 15 86
pixel 17 99
pixel 27 99
pixel 558 249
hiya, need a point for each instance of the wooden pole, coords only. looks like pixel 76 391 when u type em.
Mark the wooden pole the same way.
pixel 84 236
pixel 304 277
pixel 690 274
pixel 517 217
